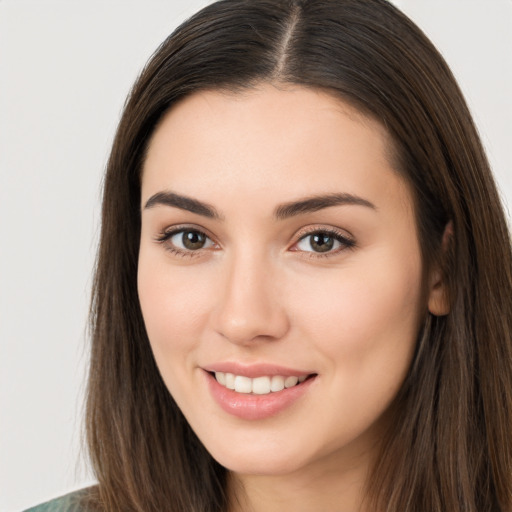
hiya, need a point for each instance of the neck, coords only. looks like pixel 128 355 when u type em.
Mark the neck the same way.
pixel 323 487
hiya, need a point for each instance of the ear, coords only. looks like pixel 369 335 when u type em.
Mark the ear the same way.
pixel 439 297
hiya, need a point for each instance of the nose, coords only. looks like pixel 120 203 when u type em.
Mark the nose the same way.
pixel 251 305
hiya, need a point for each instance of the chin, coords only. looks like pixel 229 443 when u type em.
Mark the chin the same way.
pixel 261 466
pixel 259 458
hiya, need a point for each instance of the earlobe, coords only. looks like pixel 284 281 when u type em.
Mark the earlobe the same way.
pixel 439 297
pixel 438 301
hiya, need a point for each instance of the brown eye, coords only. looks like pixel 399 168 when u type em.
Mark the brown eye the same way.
pixel 193 240
pixel 323 242
pixel 189 240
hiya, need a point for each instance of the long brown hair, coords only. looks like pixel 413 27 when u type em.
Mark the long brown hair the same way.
pixel 450 446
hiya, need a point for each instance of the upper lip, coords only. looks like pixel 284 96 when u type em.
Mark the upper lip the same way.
pixel 255 370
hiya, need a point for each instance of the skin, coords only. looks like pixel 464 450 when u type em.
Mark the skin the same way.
pixel 258 292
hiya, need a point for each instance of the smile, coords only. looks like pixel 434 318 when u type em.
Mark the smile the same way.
pixel 268 390
pixel 259 385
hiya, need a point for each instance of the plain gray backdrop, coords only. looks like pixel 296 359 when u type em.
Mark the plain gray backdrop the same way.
pixel 65 70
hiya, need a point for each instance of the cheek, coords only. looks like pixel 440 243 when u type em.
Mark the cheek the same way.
pixel 173 305
pixel 366 329
pixel 365 317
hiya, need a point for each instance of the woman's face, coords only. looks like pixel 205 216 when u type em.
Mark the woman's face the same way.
pixel 278 248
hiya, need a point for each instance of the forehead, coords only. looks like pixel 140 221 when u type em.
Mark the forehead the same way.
pixel 268 140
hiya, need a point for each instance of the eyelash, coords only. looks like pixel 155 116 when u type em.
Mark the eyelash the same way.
pixel 346 242
pixel 165 236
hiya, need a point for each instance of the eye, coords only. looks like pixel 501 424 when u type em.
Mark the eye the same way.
pixel 323 242
pixel 186 240
pixel 190 240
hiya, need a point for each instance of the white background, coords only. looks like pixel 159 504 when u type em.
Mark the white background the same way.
pixel 65 69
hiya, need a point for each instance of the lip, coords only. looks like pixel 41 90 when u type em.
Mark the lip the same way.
pixel 255 370
pixel 253 407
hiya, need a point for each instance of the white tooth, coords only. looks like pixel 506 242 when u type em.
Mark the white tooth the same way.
pixel 277 383
pixel 289 382
pixel 303 378
pixel 230 381
pixel 243 384
pixel 221 378
pixel 261 385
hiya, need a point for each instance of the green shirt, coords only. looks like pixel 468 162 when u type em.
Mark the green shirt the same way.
pixel 68 503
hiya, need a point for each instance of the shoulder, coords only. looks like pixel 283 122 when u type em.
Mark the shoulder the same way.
pixel 73 502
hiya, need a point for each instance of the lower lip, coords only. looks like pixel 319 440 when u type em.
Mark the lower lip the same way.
pixel 248 406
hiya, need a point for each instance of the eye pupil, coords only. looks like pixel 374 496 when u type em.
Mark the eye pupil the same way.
pixel 321 242
pixel 193 240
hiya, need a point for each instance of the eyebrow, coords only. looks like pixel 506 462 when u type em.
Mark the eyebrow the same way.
pixel 183 203
pixel 315 203
pixel 284 211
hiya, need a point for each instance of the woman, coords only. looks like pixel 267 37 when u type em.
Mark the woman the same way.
pixel 302 299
